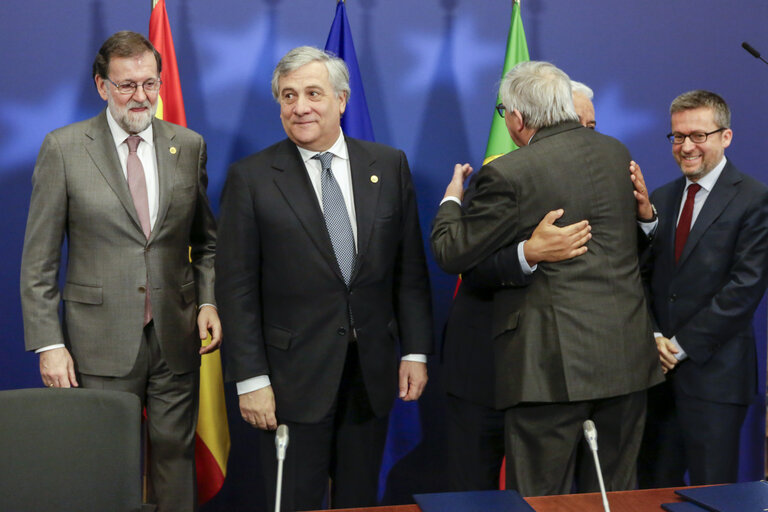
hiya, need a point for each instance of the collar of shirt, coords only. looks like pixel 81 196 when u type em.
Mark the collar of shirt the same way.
pixel 708 181
pixel 119 135
pixel 338 149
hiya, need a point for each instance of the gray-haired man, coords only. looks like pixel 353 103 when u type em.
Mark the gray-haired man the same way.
pixel 323 286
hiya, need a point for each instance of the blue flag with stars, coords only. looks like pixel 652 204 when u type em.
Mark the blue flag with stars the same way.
pixel 355 122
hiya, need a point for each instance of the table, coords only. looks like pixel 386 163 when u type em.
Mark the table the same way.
pixel 620 501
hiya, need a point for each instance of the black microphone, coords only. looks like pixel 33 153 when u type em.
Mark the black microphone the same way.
pixel 752 51
pixel 281 444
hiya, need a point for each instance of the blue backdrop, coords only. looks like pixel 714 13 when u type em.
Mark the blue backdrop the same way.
pixel 430 69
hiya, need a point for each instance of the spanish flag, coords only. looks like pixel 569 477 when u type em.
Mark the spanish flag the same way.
pixel 212 442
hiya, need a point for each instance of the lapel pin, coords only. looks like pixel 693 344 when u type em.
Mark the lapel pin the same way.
pixel 374 179
pixel 173 150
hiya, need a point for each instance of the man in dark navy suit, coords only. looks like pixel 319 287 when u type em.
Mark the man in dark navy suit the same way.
pixel 707 269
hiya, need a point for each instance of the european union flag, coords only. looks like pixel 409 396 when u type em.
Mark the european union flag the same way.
pixel 356 122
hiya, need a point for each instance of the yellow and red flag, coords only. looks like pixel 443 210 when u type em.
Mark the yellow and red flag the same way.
pixel 212 439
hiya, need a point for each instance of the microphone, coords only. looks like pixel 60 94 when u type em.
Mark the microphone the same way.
pixel 590 434
pixel 752 51
pixel 281 444
pixel 281 441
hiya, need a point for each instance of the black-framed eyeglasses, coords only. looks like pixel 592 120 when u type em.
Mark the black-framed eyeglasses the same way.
pixel 501 109
pixel 696 137
pixel 150 85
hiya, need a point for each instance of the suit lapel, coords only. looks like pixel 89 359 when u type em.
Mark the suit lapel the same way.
pixel 167 156
pixel 722 194
pixel 101 148
pixel 366 187
pixel 295 186
pixel 670 224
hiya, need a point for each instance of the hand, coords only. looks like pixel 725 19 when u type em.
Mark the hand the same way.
pixel 258 408
pixel 644 209
pixel 413 378
pixel 551 243
pixel 667 351
pixel 456 186
pixel 57 369
pixel 208 322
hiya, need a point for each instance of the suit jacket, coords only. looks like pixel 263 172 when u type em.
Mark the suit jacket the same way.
pixel 284 304
pixel 708 299
pixel 580 330
pixel 80 192
pixel 467 352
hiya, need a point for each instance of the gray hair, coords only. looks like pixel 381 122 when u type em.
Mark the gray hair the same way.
pixel 540 92
pixel 338 74
pixel 582 88
pixel 697 99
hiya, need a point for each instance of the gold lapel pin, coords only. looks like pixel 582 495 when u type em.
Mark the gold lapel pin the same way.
pixel 374 179
pixel 172 150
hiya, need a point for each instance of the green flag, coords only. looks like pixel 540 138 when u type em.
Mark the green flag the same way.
pixel 499 141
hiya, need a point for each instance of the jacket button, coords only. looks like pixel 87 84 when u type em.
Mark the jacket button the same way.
pixel 142 289
pixel 673 297
pixel 341 331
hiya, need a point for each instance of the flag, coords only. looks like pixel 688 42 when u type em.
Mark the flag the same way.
pixel 404 423
pixel 356 122
pixel 499 141
pixel 212 435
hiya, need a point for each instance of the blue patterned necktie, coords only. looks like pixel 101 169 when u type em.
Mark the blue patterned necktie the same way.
pixel 336 218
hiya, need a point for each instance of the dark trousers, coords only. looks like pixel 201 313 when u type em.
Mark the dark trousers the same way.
pixel 687 433
pixel 172 403
pixel 346 446
pixel 475 445
pixel 546 448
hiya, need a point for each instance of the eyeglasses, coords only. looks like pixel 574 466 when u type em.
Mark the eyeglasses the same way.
pixel 696 137
pixel 501 109
pixel 151 85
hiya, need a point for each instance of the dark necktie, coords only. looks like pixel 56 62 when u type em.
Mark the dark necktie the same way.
pixel 137 184
pixel 336 218
pixel 684 224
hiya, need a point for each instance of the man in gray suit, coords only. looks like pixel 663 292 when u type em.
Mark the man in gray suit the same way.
pixel 576 343
pixel 129 193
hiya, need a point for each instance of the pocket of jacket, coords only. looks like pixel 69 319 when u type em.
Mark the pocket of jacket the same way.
pixel 188 292
pixel 507 323
pixel 277 337
pixel 82 293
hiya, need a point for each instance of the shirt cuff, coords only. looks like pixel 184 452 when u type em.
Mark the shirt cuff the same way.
pixel 416 358
pixel 253 384
pixel 649 228
pixel 527 269
pixel 451 198
pixel 49 347
pixel 681 355
pixel 206 304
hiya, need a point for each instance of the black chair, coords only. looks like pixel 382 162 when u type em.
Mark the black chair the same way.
pixel 68 450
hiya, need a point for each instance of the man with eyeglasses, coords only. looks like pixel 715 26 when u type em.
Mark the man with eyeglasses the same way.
pixel 707 271
pixel 474 427
pixel 128 192
pixel 576 342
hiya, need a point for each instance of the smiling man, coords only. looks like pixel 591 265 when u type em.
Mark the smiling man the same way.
pixel 128 192
pixel 708 269
pixel 323 285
